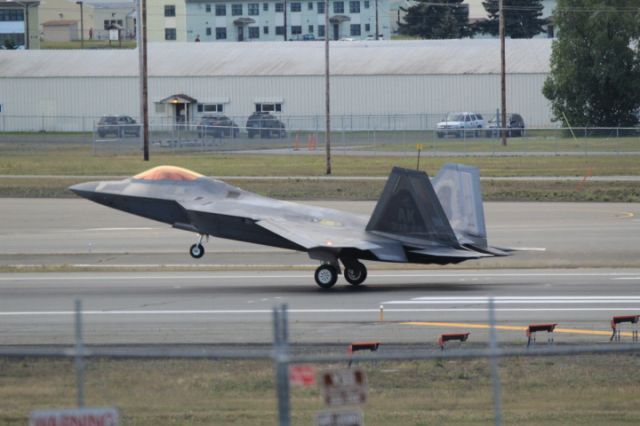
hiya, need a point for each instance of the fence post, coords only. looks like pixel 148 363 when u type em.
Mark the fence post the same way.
pixel 281 358
pixel 495 378
pixel 79 353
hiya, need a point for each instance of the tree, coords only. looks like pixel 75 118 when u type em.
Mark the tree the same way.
pixel 522 18
pixel 595 63
pixel 437 19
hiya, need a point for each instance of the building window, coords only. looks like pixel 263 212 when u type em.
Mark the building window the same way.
pixel 207 8
pixel 366 4
pixel 169 10
pixel 320 8
pixel 271 107
pixel 279 7
pixel 253 9
pixel 338 7
pixel 265 7
pixel 11 15
pixel 320 30
pixel 254 32
pixel 355 29
pixel 280 30
pixel 221 33
pixel 169 33
pixel 296 29
pixel 310 29
pixel 265 30
pixel 208 31
pixel 210 107
pixel 310 5
pixel 236 9
pixel 221 9
pixel 354 6
pixel 367 28
pixel 296 6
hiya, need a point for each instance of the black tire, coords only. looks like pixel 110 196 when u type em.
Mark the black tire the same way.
pixel 326 276
pixel 355 273
pixel 196 251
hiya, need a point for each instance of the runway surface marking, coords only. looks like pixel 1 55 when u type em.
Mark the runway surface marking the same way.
pixel 120 229
pixel 518 300
pixel 513 328
pixel 300 311
pixel 96 277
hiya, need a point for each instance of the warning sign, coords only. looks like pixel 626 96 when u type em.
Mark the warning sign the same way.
pixel 344 387
pixel 302 375
pixel 340 418
pixel 75 417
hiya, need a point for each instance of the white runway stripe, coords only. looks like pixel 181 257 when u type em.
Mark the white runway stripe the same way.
pixel 520 300
pixel 299 311
pixel 377 275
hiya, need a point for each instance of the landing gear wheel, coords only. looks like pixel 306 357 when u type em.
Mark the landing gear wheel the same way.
pixel 326 276
pixel 196 251
pixel 355 274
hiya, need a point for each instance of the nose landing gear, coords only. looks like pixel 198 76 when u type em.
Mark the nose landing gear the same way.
pixel 197 250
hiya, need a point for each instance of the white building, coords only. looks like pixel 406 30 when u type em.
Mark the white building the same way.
pixel 67 90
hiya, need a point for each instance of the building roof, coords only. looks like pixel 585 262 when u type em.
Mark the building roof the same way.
pixel 60 23
pixel 421 57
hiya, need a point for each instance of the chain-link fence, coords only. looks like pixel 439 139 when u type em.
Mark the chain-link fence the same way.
pixel 283 140
pixel 283 357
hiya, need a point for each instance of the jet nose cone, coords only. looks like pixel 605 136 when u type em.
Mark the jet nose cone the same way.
pixel 85 190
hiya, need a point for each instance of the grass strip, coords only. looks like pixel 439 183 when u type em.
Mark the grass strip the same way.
pixel 76 159
pixel 302 189
pixel 581 390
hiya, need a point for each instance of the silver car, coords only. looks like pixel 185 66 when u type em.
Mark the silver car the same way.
pixel 460 124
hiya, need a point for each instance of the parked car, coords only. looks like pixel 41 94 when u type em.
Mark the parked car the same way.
pixel 119 126
pixel 217 126
pixel 515 124
pixel 460 124
pixel 265 125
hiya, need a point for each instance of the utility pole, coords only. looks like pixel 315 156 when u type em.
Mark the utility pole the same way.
pixel 141 38
pixel 81 25
pixel 327 108
pixel 285 20
pixel 503 89
pixel 377 29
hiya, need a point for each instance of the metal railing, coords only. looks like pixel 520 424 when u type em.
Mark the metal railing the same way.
pixel 282 356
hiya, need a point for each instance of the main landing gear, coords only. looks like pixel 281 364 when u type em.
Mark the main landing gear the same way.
pixel 197 250
pixel 327 274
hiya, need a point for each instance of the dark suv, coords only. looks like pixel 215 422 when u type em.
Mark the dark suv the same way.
pixel 217 126
pixel 265 125
pixel 119 126
pixel 515 126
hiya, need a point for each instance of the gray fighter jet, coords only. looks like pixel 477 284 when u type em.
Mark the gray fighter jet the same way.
pixel 415 220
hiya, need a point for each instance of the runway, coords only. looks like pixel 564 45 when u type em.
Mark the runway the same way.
pixel 77 232
pixel 589 271
pixel 235 307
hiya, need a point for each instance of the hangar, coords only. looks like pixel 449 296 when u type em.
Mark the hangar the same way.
pixel 47 90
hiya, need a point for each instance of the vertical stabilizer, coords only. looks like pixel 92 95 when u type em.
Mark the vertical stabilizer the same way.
pixel 409 208
pixel 459 192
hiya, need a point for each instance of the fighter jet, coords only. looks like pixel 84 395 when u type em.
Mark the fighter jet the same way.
pixel 415 220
